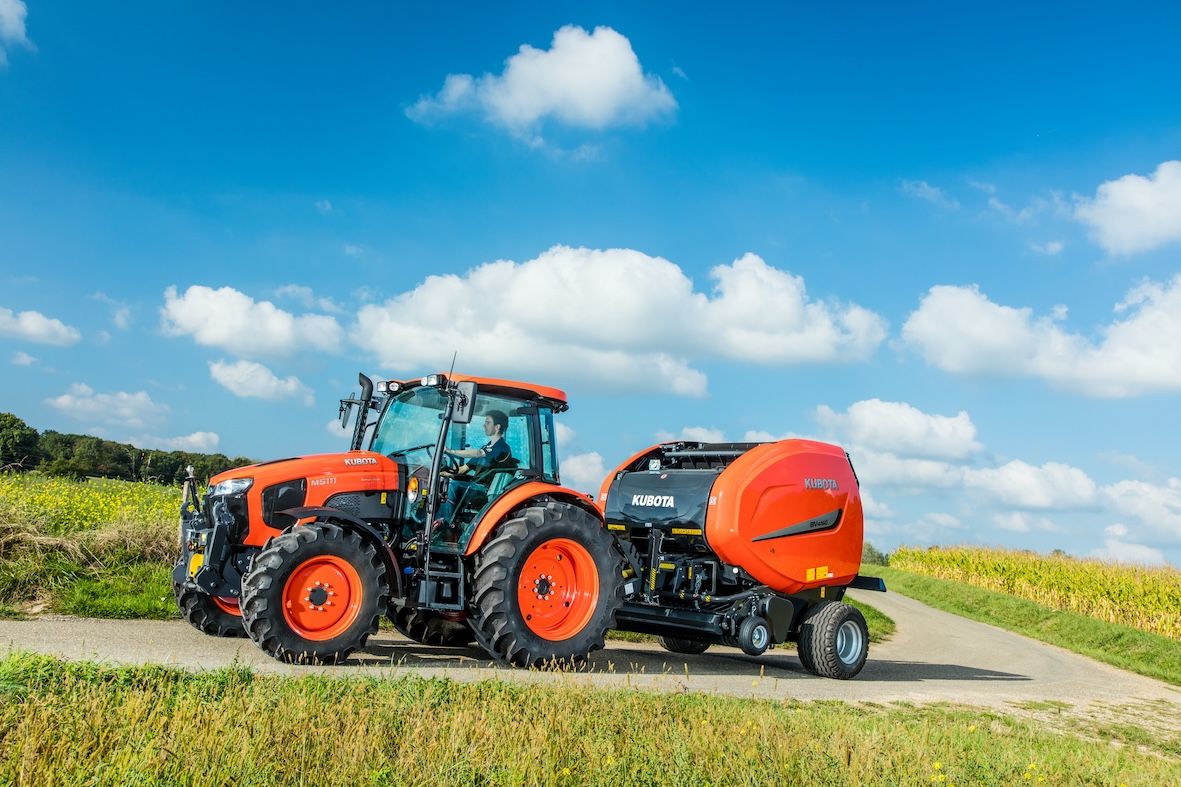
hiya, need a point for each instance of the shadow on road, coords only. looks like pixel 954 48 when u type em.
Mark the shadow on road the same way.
pixel 719 662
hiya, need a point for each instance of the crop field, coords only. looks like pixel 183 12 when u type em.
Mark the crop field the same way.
pixel 78 723
pixel 1148 599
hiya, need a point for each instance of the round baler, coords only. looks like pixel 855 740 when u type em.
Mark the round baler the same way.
pixel 746 544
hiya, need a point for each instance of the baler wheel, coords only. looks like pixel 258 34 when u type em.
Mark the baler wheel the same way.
pixel 209 614
pixel 431 629
pixel 754 636
pixel 690 647
pixel 546 587
pixel 834 640
pixel 314 595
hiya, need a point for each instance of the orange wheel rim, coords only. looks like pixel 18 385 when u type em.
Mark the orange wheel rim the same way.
pixel 228 605
pixel 558 589
pixel 322 598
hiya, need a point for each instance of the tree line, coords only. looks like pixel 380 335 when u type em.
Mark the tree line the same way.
pixel 23 448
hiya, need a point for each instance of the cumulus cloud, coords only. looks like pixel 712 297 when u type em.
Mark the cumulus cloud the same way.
pixel 1049 248
pixel 615 317
pixel 36 327
pixel 584 472
pixel 1157 506
pixel 12 27
pixel 307 298
pixel 235 322
pixel 586 80
pixel 197 442
pixel 694 434
pixel 130 410
pixel 886 469
pixel 1022 485
pixel 21 358
pixel 921 189
pixel 564 434
pixel 1116 550
pixel 255 381
pixel 900 428
pixel 1021 522
pixel 958 329
pixel 1135 213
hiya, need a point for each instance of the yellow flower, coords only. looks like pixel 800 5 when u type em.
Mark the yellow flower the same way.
pixel 565 771
pixel 938 765
pixel 610 760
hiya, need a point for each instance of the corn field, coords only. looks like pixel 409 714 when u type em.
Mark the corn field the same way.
pixel 1145 598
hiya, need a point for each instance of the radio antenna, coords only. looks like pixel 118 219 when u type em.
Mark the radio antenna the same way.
pixel 454 355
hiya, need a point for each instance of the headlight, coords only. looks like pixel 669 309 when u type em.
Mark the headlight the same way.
pixel 412 490
pixel 233 486
pixel 434 380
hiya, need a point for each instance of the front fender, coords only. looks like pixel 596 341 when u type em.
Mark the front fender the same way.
pixel 518 495
pixel 361 527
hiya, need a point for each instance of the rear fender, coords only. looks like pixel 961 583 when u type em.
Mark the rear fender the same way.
pixel 360 527
pixel 519 495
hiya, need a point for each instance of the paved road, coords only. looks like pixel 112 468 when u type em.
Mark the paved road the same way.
pixel 933 657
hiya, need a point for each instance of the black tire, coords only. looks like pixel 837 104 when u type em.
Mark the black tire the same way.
pixel 834 640
pixel 495 614
pixel 203 613
pixel 690 647
pixel 430 628
pixel 263 605
pixel 754 636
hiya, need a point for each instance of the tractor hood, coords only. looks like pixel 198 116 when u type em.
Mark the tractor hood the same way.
pixel 349 470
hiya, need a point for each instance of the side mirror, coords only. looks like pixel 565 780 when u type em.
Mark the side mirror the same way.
pixel 464 404
pixel 346 411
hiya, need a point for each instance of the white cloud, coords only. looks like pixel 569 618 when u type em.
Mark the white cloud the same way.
pixel 874 508
pixel 921 189
pixel 584 472
pixel 23 359
pixel 197 442
pixel 1118 530
pixel 587 80
pixel 253 380
pixel 565 435
pixel 900 428
pixel 12 27
pixel 694 434
pixel 1022 485
pixel 1135 213
pixel 1020 522
pixel 130 410
pixel 615 317
pixel 958 329
pixel 1116 551
pixel 885 469
pixel 1049 248
pixel 121 314
pixel 307 298
pixel 36 327
pixel 333 428
pixel 235 322
pixel 1157 506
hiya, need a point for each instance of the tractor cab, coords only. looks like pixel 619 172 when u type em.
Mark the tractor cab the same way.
pixel 459 444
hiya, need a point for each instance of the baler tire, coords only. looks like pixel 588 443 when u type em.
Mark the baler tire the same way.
pixel 275 626
pixel 689 647
pixel 500 624
pixel 834 640
pixel 204 614
pixel 428 628
pixel 753 641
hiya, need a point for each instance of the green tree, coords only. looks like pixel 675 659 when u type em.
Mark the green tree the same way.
pixel 18 443
pixel 870 555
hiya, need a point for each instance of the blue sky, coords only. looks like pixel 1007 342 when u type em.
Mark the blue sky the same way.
pixel 963 229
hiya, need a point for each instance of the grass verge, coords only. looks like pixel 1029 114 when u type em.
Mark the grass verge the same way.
pixel 80 723
pixel 1121 646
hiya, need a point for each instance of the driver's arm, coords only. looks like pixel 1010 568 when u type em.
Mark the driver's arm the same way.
pixel 467 453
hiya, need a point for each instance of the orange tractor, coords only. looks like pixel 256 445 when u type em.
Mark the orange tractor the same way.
pixel 743 544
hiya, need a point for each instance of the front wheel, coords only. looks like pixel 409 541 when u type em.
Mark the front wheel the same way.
pixel 213 615
pixel 546 587
pixel 314 595
pixel 834 640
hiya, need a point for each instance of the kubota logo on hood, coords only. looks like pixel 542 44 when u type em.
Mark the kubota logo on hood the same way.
pixel 365 460
pixel 654 501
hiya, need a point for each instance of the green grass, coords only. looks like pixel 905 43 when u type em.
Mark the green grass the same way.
pixel 1121 646
pixel 81 723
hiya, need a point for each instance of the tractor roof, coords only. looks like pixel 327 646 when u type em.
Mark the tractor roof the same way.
pixel 555 396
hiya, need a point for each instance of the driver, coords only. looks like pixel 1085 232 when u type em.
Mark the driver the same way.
pixel 492 453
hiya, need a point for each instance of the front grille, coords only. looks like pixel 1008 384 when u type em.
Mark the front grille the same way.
pixel 280 497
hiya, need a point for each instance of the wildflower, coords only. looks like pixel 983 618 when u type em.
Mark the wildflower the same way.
pixel 938 765
pixel 565 771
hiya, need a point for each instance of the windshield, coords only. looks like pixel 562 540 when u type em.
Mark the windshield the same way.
pixel 410 422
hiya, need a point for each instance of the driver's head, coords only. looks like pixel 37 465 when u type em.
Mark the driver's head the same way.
pixel 495 423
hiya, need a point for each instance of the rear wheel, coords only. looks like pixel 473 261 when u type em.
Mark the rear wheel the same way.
pixel 546 587
pixel 213 615
pixel 691 647
pixel 314 595
pixel 431 628
pixel 834 640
